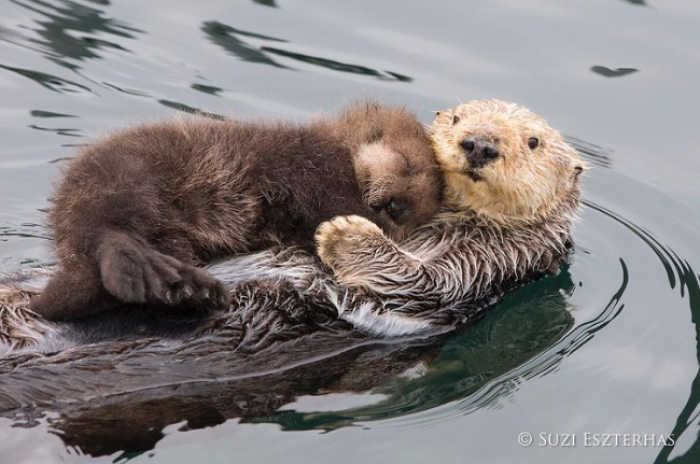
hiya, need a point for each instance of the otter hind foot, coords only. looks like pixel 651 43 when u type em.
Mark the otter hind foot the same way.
pixel 134 272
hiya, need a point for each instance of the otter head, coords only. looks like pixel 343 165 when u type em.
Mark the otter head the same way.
pixel 394 163
pixel 401 184
pixel 505 163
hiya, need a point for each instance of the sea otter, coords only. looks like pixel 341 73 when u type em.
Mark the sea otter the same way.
pixel 286 331
pixel 512 194
pixel 468 256
pixel 138 212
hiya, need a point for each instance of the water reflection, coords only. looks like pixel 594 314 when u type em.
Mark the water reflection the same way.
pixel 688 420
pixel 37 34
pixel 69 29
pixel 445 369
pixel 592 153
pixel 271 3
pixel 231 39
pixel 637 2
pixel 681 276
pixel 208 89
pixel 55 83
pixel 65 131
pixel 338 66
pixel 50 114
pixel 528 335
pixel 607 72
pixel 188 109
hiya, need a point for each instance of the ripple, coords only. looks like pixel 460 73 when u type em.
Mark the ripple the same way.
pixel 607 72
pixel 594 154
pixel 270 3
pixel 528 336
pixel 65 28
pixel 57 84
pixel 50 114
pixel 229 39
pixel 120 89
pixel 211 90
pixel 681 276
pixel 25 230
pixel 68 132
pixel 637 2
pixel 188 109
pixel 339 66
pixel 482 364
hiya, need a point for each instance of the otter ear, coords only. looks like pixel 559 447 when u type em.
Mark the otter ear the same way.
pixel 375 135
pixel 571 167
pixel 578 169
pixel 442 117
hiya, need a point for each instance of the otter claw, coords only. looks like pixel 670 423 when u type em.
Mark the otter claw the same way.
pixel 187 291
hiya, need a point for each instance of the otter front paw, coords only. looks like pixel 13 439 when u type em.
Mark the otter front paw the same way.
pixel 339 240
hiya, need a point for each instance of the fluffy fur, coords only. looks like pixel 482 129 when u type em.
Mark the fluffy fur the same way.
pixel 111 382
pixel 434 279
pixel 138 212
pixel 507 218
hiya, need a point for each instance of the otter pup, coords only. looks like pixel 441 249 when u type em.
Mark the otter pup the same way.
pixel 137 212
pixel 511 196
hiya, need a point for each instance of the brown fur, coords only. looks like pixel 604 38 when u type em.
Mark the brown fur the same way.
pixel 512 193
pixel 138 211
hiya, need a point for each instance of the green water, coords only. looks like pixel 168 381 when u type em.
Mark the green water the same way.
pixel 608 346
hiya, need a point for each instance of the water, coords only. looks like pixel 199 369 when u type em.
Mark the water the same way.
pixel 608 346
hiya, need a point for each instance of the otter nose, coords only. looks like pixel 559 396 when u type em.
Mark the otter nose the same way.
pixel 397 208
pixel 479 152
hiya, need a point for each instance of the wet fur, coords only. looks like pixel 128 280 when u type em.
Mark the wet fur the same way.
pixel 432 280
pixel 113 381
pixel 137 213
pixel 510 223
pixel 117 396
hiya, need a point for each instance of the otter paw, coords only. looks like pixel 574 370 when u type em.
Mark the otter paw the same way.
pixel 339 238
pixel 195 287
pixel 138 274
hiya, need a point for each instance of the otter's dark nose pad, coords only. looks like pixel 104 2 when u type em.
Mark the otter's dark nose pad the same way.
pixel 396 209
pixel 479 152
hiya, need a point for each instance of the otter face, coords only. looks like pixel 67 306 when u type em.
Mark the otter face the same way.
pixel 401 184
pixel 504 162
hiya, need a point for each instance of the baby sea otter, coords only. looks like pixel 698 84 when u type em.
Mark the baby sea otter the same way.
pixel 511 196
pixel 137 212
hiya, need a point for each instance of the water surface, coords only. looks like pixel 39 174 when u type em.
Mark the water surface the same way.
pixel 608 346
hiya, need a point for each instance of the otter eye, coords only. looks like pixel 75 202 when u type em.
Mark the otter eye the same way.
pixel 455 119
pixel 533 142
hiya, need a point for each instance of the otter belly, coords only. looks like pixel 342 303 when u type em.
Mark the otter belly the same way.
pixel 276 291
